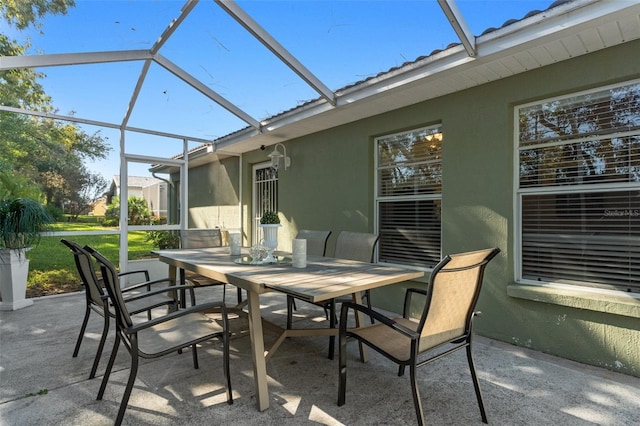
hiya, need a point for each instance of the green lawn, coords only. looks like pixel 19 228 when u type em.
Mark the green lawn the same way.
pixel 52 269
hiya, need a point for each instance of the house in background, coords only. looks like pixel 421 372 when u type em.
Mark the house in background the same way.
pixel 99 207
pixel 153 190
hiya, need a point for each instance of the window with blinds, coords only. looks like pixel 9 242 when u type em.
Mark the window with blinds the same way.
pixel 409 196
pixel 579 189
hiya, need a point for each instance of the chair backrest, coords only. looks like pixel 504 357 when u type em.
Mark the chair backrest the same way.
pixel 454 287
pixel 87 271
pixel 112 285
pixel 200 238
pixel 316 241
pixel 356 246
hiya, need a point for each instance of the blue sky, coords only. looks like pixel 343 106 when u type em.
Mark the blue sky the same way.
pixel 341 42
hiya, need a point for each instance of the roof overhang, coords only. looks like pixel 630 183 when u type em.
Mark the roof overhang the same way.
pixel 558 34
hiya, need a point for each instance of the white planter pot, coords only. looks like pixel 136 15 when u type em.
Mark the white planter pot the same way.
pixel 14 269
pixel 270 232
pixel 270 236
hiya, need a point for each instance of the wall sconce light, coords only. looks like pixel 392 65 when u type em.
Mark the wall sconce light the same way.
pixel 276 155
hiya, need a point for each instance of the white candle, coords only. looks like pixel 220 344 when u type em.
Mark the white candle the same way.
pixel 299 253
pixel 235 244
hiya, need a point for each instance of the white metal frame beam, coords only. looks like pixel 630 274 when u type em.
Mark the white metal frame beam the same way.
pixel 60 59
pixel 450 9
pixel 276 48
pixel 73 119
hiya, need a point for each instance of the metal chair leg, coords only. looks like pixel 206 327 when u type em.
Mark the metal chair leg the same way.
pixel 130 381
pixel 225 361
pixel 342 362
pixel 332 324
pixel 416 393
pixel 82 330
pixel 194 351
pixel 107 373
pixel 476 384
pixel 289 312
pixel 103 339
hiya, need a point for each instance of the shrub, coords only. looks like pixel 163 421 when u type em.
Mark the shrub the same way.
pixel 269 218
pixel 163 239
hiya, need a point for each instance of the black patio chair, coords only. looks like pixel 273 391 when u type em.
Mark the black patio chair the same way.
pixel 160 336
pixel 446 319
pixel 97 300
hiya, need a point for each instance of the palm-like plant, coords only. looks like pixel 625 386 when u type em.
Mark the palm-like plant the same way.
pixel 22 222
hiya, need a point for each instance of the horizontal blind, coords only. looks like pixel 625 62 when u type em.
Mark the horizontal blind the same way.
pixel 579 189
pixel 605 160
pixel 409 194
pixel 582 237
pixel 410 232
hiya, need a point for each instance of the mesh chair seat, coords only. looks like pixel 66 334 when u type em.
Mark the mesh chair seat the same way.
pixel 163 337
pixel 398 345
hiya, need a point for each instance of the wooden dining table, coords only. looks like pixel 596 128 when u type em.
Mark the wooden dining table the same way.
pixel 324 278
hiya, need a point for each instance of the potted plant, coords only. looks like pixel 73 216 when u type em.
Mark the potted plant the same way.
pixel 22 222
pixel 270 222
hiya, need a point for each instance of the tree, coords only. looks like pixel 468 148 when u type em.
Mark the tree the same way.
pixel 24 13
pixel 138 212
pixel 85 190
pixel 44 151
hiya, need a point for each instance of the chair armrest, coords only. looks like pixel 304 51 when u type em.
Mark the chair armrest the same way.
pixel 139 271
pixel 157 291
pixel 147 284
pixel 176 314
pixel 375 315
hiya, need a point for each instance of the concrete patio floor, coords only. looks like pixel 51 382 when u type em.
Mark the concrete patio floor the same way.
pixel 41 384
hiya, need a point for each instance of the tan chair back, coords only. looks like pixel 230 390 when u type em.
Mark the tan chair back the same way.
pixel 316 241
pixel 453 292
pixel 356 246
pixel 200 238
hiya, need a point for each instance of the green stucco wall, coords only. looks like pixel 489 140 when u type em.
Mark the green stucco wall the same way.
pixel 214 195
pixel 330 186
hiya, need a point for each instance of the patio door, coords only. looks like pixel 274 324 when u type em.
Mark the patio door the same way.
pixel 265 194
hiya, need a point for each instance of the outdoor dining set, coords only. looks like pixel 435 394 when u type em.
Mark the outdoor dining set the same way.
pixel 156 318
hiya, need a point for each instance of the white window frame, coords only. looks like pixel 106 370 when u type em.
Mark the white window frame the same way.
pixel 586 188
pixel 432 130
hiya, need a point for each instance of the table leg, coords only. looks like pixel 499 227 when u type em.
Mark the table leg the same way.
pixel 357 298
pixel 257 350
